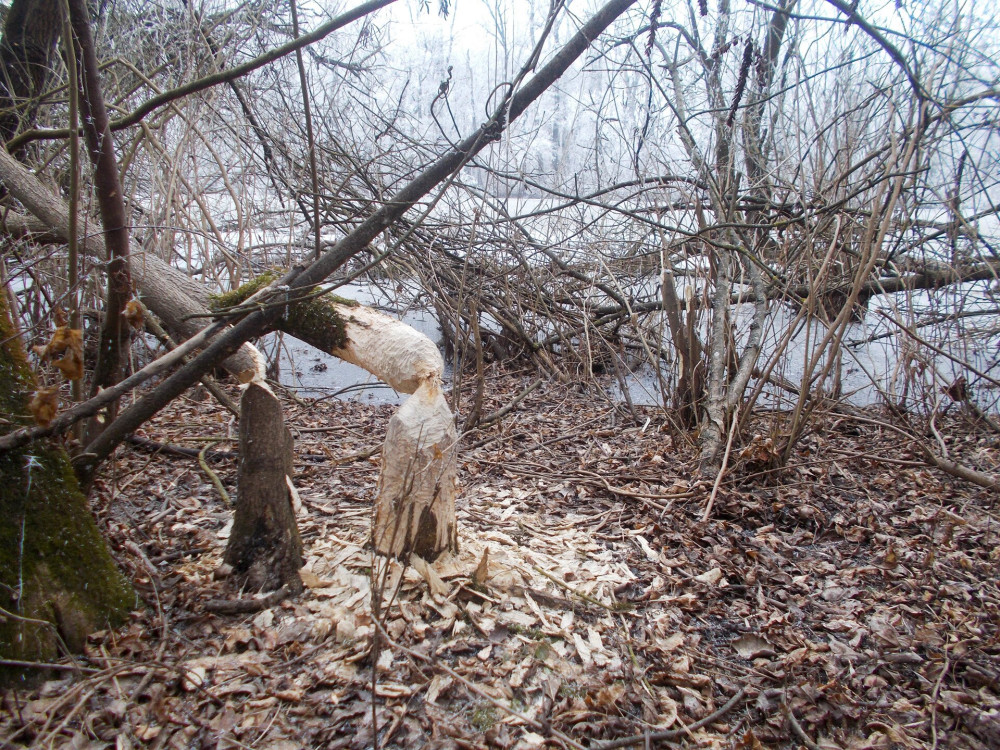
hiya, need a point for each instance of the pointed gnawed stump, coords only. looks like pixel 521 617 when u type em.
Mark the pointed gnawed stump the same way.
pixel 264 550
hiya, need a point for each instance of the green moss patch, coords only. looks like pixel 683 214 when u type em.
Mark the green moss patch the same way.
pixel 315 320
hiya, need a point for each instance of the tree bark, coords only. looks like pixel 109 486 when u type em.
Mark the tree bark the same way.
pixel 58 581
pixel 30 32
pixel 264 547
pixel 101 146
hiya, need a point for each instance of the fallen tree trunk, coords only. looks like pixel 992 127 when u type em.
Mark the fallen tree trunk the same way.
pixel 171 295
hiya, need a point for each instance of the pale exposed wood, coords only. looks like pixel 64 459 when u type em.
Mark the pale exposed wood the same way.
pixel 389 349
pixel 415 509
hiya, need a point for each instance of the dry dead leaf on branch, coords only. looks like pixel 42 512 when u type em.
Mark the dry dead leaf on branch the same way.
pixel 67 342
pixel 71 363
pixel 133 313
pixel 44 405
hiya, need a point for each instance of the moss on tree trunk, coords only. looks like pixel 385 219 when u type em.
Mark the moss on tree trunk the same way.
pixel 58 581
pixel 314 320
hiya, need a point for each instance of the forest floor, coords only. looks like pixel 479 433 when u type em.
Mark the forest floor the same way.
pixel 850 600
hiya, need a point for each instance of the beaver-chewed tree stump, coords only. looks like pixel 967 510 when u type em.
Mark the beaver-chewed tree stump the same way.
pixel 264 549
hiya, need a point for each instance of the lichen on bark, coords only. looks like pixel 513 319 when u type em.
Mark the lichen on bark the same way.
pixel 54 565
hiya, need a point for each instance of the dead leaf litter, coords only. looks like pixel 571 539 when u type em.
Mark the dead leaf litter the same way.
pixel 849 601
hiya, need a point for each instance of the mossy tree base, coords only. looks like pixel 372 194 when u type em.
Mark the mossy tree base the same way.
pixel 58 582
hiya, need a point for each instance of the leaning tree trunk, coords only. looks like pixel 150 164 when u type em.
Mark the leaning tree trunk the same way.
pixel 57 579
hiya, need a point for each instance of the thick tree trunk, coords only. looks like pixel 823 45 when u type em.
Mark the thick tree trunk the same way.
pixel 415 509
pixel 30 32
pixel 57 579
pixel 264 547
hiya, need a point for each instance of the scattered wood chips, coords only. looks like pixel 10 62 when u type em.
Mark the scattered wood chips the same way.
pixel 850 600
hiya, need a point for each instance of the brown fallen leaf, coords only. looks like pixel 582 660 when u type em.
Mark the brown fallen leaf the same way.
pixel 667 709
pixel 752 646
pixel 312 581
pixel 710 577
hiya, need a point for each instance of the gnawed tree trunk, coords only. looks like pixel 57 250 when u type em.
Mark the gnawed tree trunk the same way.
pixel 301 281
pixel 57 579
pixel 415 509
pixel 264 549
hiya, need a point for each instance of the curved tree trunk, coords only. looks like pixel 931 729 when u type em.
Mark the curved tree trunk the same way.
pixel 415 508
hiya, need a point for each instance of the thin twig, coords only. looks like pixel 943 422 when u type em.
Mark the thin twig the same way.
pixel 212 475
pixel 797 728
pixel 722 470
